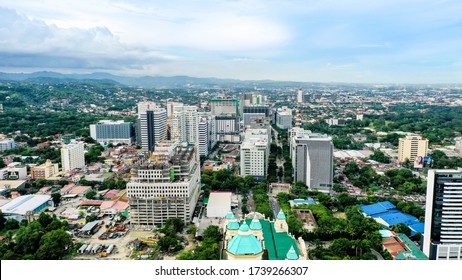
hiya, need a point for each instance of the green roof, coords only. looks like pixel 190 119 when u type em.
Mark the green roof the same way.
pixel 281 215
pixel 276 243
pixel 244 245
pixel 255 224
pixel 413 249
pixel 291 255
pixel 206 201
pixel 107 175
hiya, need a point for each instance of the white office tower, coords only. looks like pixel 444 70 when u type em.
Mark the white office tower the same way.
pixel 185 124
pixel 164 187
pixel 255 153
pixel 152 125
pixel 312 160
pixel 299 96
pixel 171 105
pixel 204 133
pixel 284 118
pixel 72 156
pixel 443 215
pixel 112 132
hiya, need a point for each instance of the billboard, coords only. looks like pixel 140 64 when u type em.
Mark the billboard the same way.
pixel 418 162
pixel 427 162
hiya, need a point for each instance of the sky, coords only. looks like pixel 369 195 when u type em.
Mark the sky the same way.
pixel 365 41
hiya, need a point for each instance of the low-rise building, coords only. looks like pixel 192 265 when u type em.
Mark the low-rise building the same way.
pixel 7 144
pixel 44 171
pixel 26 207
pixel 257 238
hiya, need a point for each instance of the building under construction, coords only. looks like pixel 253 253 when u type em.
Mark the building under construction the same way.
pixel 164 186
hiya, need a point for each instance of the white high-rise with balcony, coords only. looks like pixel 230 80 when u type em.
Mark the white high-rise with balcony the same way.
pixel 255 153
pixel 185 124
pixel 443 215
pixel 152 121
pixel 73 156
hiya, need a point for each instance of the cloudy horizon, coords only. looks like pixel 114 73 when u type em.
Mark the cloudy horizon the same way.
pixel 358 41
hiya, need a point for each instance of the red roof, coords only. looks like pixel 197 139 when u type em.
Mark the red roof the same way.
pixel 89 202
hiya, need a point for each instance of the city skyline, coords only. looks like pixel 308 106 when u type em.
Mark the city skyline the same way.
pixel 309 41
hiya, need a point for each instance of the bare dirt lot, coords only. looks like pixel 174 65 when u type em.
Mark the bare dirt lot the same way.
pixel 122 249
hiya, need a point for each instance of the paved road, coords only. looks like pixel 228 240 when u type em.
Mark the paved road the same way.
pixel 377 254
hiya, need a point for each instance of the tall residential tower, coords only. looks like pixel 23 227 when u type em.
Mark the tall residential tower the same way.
pixel 443 215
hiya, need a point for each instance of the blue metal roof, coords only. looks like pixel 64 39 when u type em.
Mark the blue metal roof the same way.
pixel 398 218
pixel 377 208
pixel 417 227
pixel 388 213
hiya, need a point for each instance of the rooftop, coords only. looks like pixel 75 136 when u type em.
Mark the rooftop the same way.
pixel 377 208
pixel 21 205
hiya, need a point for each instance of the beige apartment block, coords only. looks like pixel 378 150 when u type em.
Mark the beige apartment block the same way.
pixel 44 171
pixel 412 146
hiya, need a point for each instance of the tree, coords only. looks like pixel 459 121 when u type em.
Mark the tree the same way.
pixel 340 247
pixel 213 233
pixel 401 228
pixel 379 156
pixel 166 243
pixel 56 224
pixel 11 224
pixel 45 220
pixel 90 194
pixel 27 239
pixel 176 223
pixel 2 220
pixel 56 196
pixel 54 245
pixel 90 218
pixel 192 229
pixel 2 163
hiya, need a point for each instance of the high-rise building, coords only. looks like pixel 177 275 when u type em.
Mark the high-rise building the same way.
pixel 185 124
pixel 152 125
pixel 207 137
pixel 204 136
pixel 7 144
pixel 226 115
pixel 255 153
pixel 247 118
pixel 112 131
pixel 226 107
pixel 44 171
pixel 262 109
pixel 412 146
pixel 299 96
pixel 443 215
pixel 165 188
pixel 284 118
pixel 72 156
pixel 171 105
pixel 312 160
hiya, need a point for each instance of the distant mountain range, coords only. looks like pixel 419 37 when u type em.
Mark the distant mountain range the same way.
pixel 144 81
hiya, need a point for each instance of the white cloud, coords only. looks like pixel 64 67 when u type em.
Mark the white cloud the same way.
pixel 24 41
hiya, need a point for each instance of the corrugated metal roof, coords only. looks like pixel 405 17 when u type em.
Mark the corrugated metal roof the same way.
pixel 377 208
pixel 21 205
